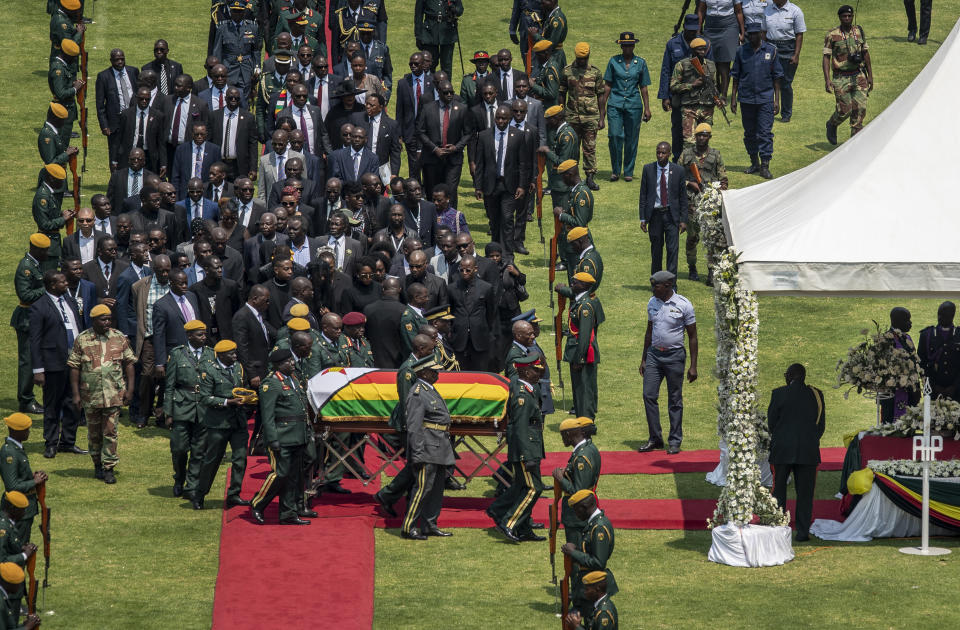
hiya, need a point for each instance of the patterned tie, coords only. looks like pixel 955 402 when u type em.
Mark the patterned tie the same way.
pixel 140 126
pixel 220 106
pixel 227 144
pixel 281 174
pixel 500 154
pixel 164 88
pixel 124 91
pixel 216 195
pixel 135 186
pixel 198 163
pixel 175 131
pixel 106 272
pixel 197 212
pixel 356 165
pixel 183 308
pixel 416 110
pixel 66 322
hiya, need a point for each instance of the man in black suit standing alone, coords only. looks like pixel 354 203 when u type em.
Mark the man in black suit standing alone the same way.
pixel 796 419
pixel 474 305
pixel 444 129
pixel 663 208
pixel 114 90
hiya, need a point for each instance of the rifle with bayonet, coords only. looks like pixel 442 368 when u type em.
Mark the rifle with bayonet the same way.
pixel 76 192
pixel 714 93
pixel 541 163
pixel 558 312
pixel 82 100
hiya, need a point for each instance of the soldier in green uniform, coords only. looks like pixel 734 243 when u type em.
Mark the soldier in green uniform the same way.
pixel 64 84
pixel 562 144
pixel 429 451
pixel 358 349
pixel 710 169
pixel 49 143
pixel 66 22
pixel 545 74
pixel 332 353
pixel 584 256
pixel 600 613
pixel 582 471
pixel 15 469
pixel 302 342
pixel 553 28
pixel 593 550
pixel 28 283
pixel 582 350
pixel 847 72
pixel 295 324
pixel 412 318
pixel 470 84
pixel 12 590
pixel 271 83
pixel 101 379
pixel 511 510
pixel 583 94
pixel 12 549
pixel 578 211
pixel 299 9
pixel 221 411
pixel 283 407
pixel 694 90
pixel 435 29
pixel 181 406
pixel 441 322
pixel 48 215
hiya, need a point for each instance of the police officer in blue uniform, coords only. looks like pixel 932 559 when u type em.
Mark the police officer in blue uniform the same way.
pixel 237 45
pixel 756 83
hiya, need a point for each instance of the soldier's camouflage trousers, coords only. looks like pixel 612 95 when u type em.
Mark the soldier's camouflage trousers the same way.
pixel 102 434
pixel 586 129
pixel 851 94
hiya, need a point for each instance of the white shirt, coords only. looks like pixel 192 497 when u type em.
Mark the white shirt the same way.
pixel 665 170
pixel 198 270
pixel 229 147
pixel 103 225
pixel 324 103
pixel 308 124
pixel 244 210
pixel 184 304
pixel 374 132
pixel 87 247
pixel 215 98
pixel 508 75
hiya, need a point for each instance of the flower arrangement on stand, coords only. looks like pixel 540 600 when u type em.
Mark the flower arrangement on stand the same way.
pixel 876 365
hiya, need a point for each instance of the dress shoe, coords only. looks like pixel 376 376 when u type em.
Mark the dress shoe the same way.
pixel 922 41
pixel 257 515
pixel 438 532
pixel 140 423
pixel 178 489
pixel 673 449
pixel 649 445
pixel 413 534
pixel 614 177
pixel 453 484
pixel 802 537
pixel 628 178
pixel 911 36
pixel 50 452
pixel 74 134
pixel 508 533
pixel 491 515
pixel 529 218
pixel 307 513
pixel 198 504
pixel 831 133
pixel 785 119
pixel 523 250
pixel 294 521
pixel 76 450
pixel 531 537
pixel 386 507
pixel 560 267
pixel 108 476
pixel 571 411
pixel 235 501
pixel 32 407
pixel 592 185
pixel 536 525
pixel 336 488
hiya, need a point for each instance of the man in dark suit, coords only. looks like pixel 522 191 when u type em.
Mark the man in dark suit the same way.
pixel 182 110
pixel 125 312
pixel 321 85
pixel 797 420
pixel 413 92
pixel 663 218
pixel 483 115
pixel 83 292
pixel 254 335
pixel 444 128
pixel 383 322
pixel 349 163
pixel 170 313
pixel 104 271
pixel 295 176
pixel 194 206
pixel 309 120
pixel 141 126
pixel 436 286
pixel 474 305
pixel 303 247
pixel 502 178
pixel 217 186
pixel 167 70
pixel 258 249
pixel 420 216
pixel 150 213
pixel 346 250
pixel 204 82
pixel 238 150
pixel 54 325
pixel 215 94
pixel 128 181
pixel 114 91
pixel 505 76
pixel 383 135
pixel 249 208
pixel 218 298
pixel 487 270
pixel 104 219
pixel 193 159
pixel 87 247
pixel 230 258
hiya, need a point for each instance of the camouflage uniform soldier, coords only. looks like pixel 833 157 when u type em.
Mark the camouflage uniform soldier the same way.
pixel 562 144
pixel 28 283
pixel 847 72
pixel 582 92
pixel 694 90
pixel 545 74
pixel 101 377
pixel 711 169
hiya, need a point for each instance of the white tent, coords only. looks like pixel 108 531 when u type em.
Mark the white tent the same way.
pixel 877 215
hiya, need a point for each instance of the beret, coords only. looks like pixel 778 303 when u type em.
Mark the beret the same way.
pixel 70 5
pixel 542 45
pixel 299 310
pixel 577 232
pixel 579 496
pixel 662 276
pixel 99 309
pixel 11 573
pixel 59 110
pixel 39 240
pixel 594 577
pixel 845 9
pixel 298 323
pixel 583 276
pixel 553 111
pixel 225 345
pixel 582 49
pixel 18 421
pixel 281 355
pixel 70 47
pixel 697 42
pixel 194 324
pixel 16 499
pixel 55 170
pixel 703 128
pixel 353 318
pixel 566 165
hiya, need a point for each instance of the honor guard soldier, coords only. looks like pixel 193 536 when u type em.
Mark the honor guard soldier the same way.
pixel 470 85
pixel 181 406
pixel 428 450
pixel 66 22
pixel 12 549
pixel 577 212
pixel 582 349
pixel 435 29
pixel 601 614
pixel 237 45
pixel 709 169
pixel 358 348
pixel 11 589
pixel 283 406
pixel 939 353
pixel 343 25
pixel 299 9
pixel 545 74
pixel 563 144
pixel 52 148
pixel 584 255
pixel 15 469
pixel 511 510
pixel 583 94
pixel 226 423
pixel 582 471
pixel 101 379
pixel 546 393
pixel 441 319
pixel 64 84
pixel 847 72
pixel 332 353
pixel 412 319
pixel 47 213
pixel 593 550
pixel 553 28
pixel 28 283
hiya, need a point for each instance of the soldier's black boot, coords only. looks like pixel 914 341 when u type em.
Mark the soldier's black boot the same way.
pixel 710 278
pixel 108 476
pixel 831 133
pixel 765 170
pixel 693 273
pixel 592 185
pixel 754 165
pixel 97 469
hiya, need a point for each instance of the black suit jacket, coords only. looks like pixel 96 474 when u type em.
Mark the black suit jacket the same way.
pixel 232 261
pixel 427 224
pixel 480 120
pixel 676 191
pixel 164 218
pixel 217 306
pixel 320 142
pixel 383 322
pixel 407 112
pixel 307 195
pixel 245 139
pixel 388 139
pixel 253 349
pixel 170 67
pixel 516 161
pixel 48 334
pixel 353 249
pixel 108 96
pixel 94 273
pixel 459 131
pixel 257 252
pixel 436 287
pixel 199 112
pixel 475 309
pixel 117 185
pixel 71 244
pixel 336 118
pixel 168 321
pixel 225 192
pixel 797 420
pixel 153 132
pixel 181 167
pixel 494 78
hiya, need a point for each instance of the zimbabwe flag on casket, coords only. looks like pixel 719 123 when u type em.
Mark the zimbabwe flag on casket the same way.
pixel 369 395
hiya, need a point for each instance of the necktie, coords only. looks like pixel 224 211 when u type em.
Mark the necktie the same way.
pixel 220 106
pixel 197 212
pixel 66 322
pixel 106 272
pixel 124 91
pixel 281 174
pixel 503 86
pixel 336 254
pixel 143 272
pixel 446 126
pixel 356 165
pixel 184 309
pixel 140 125
pixel 263 326
pixel 490 121
pixel 243 216
pixel 500 154
pixel 306 136
pixel 105 226
pixel 216 195
pixel 663 188
pixel 163 80
pixel 320 96
pixel 227 144
pixel 135 187
pixel 419 94
pixel 175 131
pixel 197 354
pixel 198 163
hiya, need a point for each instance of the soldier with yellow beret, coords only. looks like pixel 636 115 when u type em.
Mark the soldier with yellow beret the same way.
pixel 47 212
pixel 563 144
pixel 15 469
pixel 583 94
pixel 581 472
pixel 578 211
pixel 28 283
pixel 582 349
pixel 11 590
pixel 603 614
pixel 592 552
pixel 50 144
pixel 64 84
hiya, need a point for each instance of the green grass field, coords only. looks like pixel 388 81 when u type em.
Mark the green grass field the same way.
pixel 131 556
